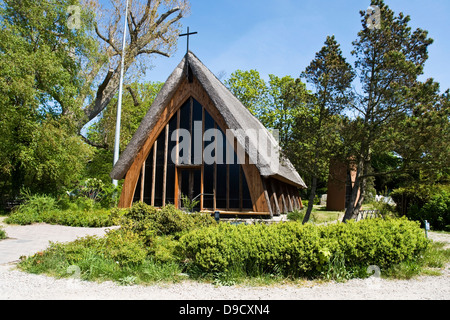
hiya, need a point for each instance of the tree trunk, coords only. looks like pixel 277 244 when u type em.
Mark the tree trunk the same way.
pixel 355 204
pixel 311 200
pixel 351 207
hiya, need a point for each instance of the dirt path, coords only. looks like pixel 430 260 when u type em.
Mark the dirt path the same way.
pixel 15 284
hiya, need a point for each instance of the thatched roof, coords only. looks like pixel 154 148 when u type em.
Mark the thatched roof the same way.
pixel 235 114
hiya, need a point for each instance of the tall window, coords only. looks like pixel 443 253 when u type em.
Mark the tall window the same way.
pixel 216 185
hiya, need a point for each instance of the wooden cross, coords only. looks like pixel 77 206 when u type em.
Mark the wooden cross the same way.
pixel 187 35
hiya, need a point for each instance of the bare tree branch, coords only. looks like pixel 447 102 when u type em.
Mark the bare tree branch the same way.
pixel 150 33
pixel 94 144
pixel 136 101
pixel 153 51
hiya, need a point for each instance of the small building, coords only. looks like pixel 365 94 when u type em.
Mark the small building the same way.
pixel 340 185
pixel 199 142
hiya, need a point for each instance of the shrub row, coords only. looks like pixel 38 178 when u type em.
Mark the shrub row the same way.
pixel 148 237
pixel 431 203
pixel 149 222
pixel 293 249
pixel 82 212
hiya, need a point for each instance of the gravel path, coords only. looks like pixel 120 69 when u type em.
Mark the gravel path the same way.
pixel 15 284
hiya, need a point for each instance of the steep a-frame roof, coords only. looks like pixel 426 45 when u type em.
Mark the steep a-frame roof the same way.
pixel 235 114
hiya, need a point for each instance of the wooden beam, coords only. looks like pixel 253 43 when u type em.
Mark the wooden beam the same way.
pixel 155 151
pixel 166 158
pixel 274 196
pixel 289 203
pixel 266 195
pixel 215 174
pixel 228 187
pixel 255 186
pixel 176 193
pixel 142 182
pixel 283 198
pixel 202 174
pixel 241 189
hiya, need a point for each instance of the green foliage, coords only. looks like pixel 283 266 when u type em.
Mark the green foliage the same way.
pixel 79 212
pixel 189 204
pixel 150 222
pixel 429 263
pixel 250 89
pixel 274 103
pixel 105 194
pixel 120 256
pixel 32 209
pixel 296 215
pixel 39 80
pixel 436 211
pixel 145 247
pixel 134 108
pixel 425 203
pixel 401 116
pixel 125 247
pixel 297 250
pixel 2 234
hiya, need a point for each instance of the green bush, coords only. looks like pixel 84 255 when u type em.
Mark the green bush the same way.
pixel 422 203
pixel 150 222
pixel 296 215
pixel 2 234
pixel 436 211
pixel 81 212
pixel 32 209
pixel 145 248
pixel 293 249
pixel 125 247
pixel 305 204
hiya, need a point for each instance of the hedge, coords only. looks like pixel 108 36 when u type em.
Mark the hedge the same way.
pixel 293 249
pixel 431 203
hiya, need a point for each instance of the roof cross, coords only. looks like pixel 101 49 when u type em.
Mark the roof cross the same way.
pixel 187 35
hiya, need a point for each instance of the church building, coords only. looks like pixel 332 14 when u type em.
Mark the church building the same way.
pixel 199 142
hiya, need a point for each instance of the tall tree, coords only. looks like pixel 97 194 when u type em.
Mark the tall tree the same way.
pixel 286 96
pixel 317 126
pixel 39 150
pixel 274 102
pixel 153 29
pixel 59 69
pixel 389 58
pixel 250 89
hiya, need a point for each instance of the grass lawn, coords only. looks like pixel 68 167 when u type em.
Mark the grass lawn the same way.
pixel 320 214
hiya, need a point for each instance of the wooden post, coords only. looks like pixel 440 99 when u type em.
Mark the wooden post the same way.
pixel 142 182
pixel 291 192
pixel 228 187
pixel 166 158
pixel 275 198
pixel 266 195
pixel 215 173
pixel 283 199
pixel 241 189
pixel 290 208
pixel 155 150
pixel 176 194
pixel 202 174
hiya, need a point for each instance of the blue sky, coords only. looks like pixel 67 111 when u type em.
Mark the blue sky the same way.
pixel 281 37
